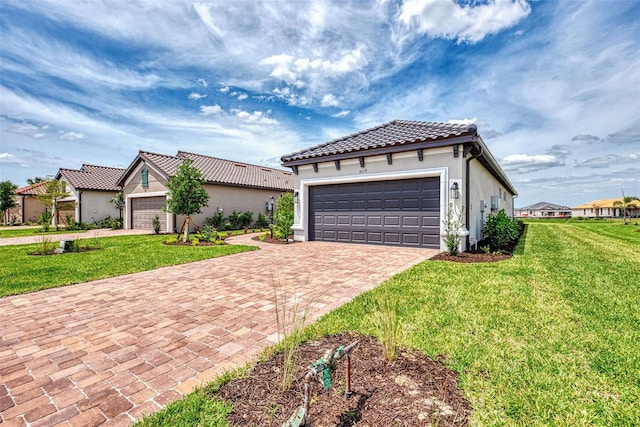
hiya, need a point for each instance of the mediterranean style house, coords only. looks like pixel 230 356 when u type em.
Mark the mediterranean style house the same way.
pixel 232 186
pixel 543 210
pixel 394 184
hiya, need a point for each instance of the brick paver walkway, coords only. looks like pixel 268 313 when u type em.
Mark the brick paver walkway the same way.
pixel 110 351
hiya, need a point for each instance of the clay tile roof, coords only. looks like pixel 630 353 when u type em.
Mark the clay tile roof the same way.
pixel 237 173
pixel 92 177
pixel 31 190
pixel 397 132
pixel 602 203
pixel 223 171
pixel 546 206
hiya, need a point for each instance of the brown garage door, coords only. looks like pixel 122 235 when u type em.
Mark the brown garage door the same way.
pixel 403 212
pixel 144 209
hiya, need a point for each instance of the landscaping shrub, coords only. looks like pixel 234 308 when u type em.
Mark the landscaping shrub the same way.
pixel 262 221
pixel 217 221
pixel 283 216
pixel 502 232
pixel 246 219
pixel 235 220
pixel 209 233
pixel 156 224
pixel 45 220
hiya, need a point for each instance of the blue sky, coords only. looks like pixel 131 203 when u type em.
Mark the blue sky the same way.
pixel 554 87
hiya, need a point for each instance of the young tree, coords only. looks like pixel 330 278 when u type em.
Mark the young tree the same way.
pixel 54 191
pixel 118 203
pixel 7 198
pixel 626 203
pixel 187 194
pixel 283 217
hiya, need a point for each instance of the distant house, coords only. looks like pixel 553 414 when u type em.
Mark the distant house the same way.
pixel 28 207
pixel 231 185
pixel 90 189
pixel 543 210
pixel 603 209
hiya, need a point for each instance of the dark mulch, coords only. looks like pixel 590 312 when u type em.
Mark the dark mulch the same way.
pixel 268 239
pixel 53 251
pixel 471 257
pixel 413 390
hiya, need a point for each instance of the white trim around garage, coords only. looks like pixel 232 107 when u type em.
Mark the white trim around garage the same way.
pixel 302 208
pixel 127 201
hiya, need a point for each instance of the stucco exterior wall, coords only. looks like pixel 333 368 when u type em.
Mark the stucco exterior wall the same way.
pixel 230 198
pixel 134 183
pixel 95 205
pixel 482 185
pixel 438 162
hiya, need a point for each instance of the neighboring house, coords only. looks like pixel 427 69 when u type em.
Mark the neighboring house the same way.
pixel 231 186
pixel 28 207
pixel 393 185
pixel 604 209
pixel 543 210
pixel 90 188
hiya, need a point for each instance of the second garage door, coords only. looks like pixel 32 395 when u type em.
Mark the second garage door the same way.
pixel 403 212
pixel 144 209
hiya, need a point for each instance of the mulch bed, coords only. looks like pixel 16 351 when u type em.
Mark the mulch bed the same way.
pixel 413 390
pixel 469 257
pixel 54 252
pixel 268 239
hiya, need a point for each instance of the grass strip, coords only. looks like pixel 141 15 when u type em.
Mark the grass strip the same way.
pixel 21 272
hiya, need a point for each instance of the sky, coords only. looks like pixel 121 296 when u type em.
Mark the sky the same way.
pixel 553 86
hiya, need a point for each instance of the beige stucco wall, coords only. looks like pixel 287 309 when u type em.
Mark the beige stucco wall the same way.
pixel 134 184
pixel 31 210
pixel 482 185
pixel 95 205
pixel 438 162
pixel 230 198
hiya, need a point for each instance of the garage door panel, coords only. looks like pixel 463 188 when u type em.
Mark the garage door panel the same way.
pixel 145 209
pixel 401 212
pixel 374 237
pixel 392 220
pixel 374 220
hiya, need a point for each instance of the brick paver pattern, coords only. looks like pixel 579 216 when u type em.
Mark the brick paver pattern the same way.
pixel 110 351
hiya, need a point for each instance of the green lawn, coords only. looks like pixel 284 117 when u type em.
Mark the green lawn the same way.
pixel 549 337
pixel 20 272
pixel 6 232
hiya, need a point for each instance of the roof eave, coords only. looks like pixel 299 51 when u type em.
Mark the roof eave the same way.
pixel 396 148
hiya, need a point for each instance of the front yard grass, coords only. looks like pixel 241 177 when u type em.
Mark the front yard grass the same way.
pixel 20 272
pixel 549 337
pixel 6 232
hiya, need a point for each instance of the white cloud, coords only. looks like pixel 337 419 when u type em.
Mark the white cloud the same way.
pixel 450 20
pixel 6 157
pixel 203 82
pixel 224 89
pixel 210 109
pixel 257 117
pixel 463 121
pixel 242 96
pixel 297 71
pixel 342 113
pixel 329 100
pixel 291 97
pixel 196 96
pixel 71 135
pixel 608 160
pixel 523 163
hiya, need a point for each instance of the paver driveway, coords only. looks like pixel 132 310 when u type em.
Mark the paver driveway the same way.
pixel 110 351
